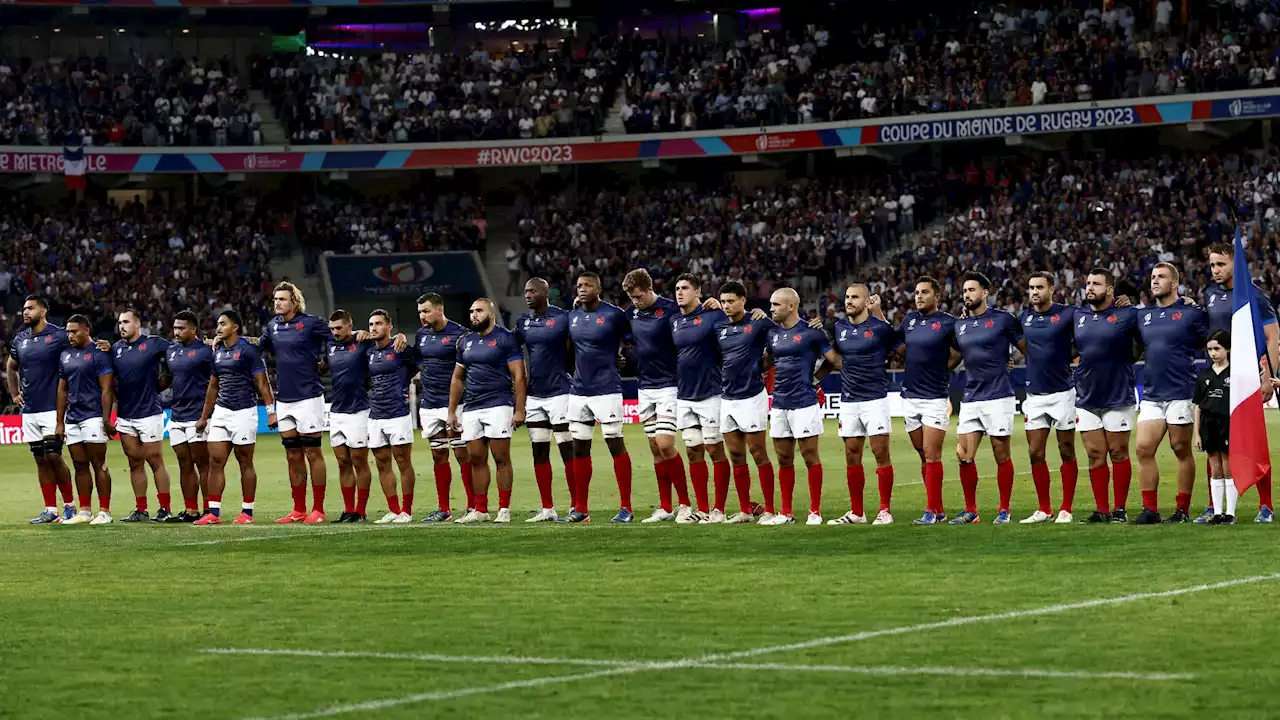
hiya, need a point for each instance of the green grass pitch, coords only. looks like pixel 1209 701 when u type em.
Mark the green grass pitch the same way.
pixel 641 621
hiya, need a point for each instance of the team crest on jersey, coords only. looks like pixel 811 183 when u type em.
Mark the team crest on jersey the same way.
pixel 551 322
pixel 191 353
pixel 298 326
pixel 1177 316
pixel 658 313
pixel 493 343
pixel 48 339
pixel 989 324
pixel 697 321
pixel 936 326
pixel 868 334
pixel 600 320
pixel 1055 319
pixel 746 329
pixel 87 356
pixel 795 338
pixel 142 347
pixel 444 340
pixel 235 355
pixel 391 356
pixel 351 348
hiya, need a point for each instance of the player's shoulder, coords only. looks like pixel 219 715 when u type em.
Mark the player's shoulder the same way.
pixel 609 308
pixel 453 328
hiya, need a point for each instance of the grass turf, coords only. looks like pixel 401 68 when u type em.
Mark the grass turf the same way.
pixel 110 622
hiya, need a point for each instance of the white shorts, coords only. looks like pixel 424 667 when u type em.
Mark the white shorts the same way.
pixel 656 403
pixel 699 421
pixel 932 412
pixel 38 426
pixel 584 411
pixel 493 423
pixel 238 427
pixel 305 416
pixel 181 433
pixel 992 417
pixel 147 429
pixel 389 431
pixel 1118 419
pixel 350 430
pixel 869 417
pixel 1050 410
pixel 1172 412
pixel 798 423
pixel 86 431
pixel 749 415
pixel 549 409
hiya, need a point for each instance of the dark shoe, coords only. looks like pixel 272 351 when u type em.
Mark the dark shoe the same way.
pixel 162 515
pixel 137 516
pixel 1178 516
pixel 1120 515
pixel 1147 517
pixel 1097 517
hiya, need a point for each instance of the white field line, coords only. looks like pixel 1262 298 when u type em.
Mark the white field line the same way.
pixel 282 535
pixel 721 658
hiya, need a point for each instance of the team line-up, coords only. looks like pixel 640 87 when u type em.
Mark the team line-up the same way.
pixel 699 365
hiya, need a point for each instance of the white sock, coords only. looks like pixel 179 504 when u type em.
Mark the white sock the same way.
pixel 1232 496
pixel 1217 488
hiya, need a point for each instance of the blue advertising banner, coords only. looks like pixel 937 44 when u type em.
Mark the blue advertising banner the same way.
pixel 1011 124
pixel 405 275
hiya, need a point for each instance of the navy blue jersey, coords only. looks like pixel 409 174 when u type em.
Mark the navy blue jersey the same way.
pixel 485 357
pixel 655 350
pixel 863 349
pixel 698 358
pixel 1172 335
pixel 1104 342
pixel 547 337
pixel 349 374
pixel 929 340
pixel 296 345
pixel 437 355
pixel 235 368
pixel 985 341
pixel 137 366
pixel 596 336
pixel 741 349
pixel 1218 301
pixel 191 365
pixel 389 375
pixel 1048 336
pixel 37 355
pixel 81 368
pixel 796 352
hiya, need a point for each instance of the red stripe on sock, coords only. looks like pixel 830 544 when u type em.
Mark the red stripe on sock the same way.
pixel 815 488
pixel 664 485
pixel 787 484
pixel 482 502
pixel 406 503
pixel 300 498
pixel 622 468
pixel 1182 501
pixel 317 498
pixel 969 484
pixel 698 476
pixel 49 492
pixel 542 474
pixel 1150 500
pixel 1121 474
pixel 349 499
pixel 933 473
pixel 444 478
pixel 570 482
pixel 856 479
pixel 164 501
pixel 85 500
pixel 67 490
pixel 766 485
pixel 362 501
pixel 1039 478
pixel 1004 481
pixel 393 503
pixel 1100 483
pixel 679 481
pixel 140 502
pixel 1070 476
pixel 464 472
pixel 742 486
pixel 582 478
pixel 884 482
pixel 720 470
pixel 504 499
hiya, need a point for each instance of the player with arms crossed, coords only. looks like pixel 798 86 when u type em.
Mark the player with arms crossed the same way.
pixel 1172 332
pixel 32 377
pixel 390 423
pixel 139 373
pixel 347 362
pixel 85 387
pixel 544 330
pixel 864 341
pixel 597 329
pixel 489 383
pixel 656 368
pixel 795 350
pixel 230 416
pixel 1051 398
pixel 190 363
pixel 437 343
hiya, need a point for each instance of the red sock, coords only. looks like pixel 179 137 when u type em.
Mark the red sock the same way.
pixel 787 483
pixel 933 487
pixel 140 502
pixel 1004 481
pixel 664 485
pixel 569 480
pixel 698 474
pixel 164 501
pixel 622 468
pixel 1100 482
pixel 247 499
pixel 1070 476
pixel 1264 491
pixel 406 503
pixel 969 484
pixel 349 499
pixel 856 477
pixel 1182 501
pixel 104 503
pixel 720 469
pixel 884 479
pixel 482 502
pixel 317 498
pixel 300 498
pixel 189 503
pixel 675 471
pixel 68 491
pixel 742 486
pixel 85 500
pixel 362 502
pixel 542 473
pixel 1150 501
pixel 393 503
pixel 1040 478
pixel 766 485
pixel 444 478
pixel 504 499
pixel 50 494
pixel 582 478
pixel 1121 473
pixel 464 471
pixel 815 489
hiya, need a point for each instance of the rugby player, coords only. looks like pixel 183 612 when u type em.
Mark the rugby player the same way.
pixel 348 366
pixel 597 330
pixel 390 434
pixel 544 331
pixel 489 383
pixel 650 318
pixel 1051 399
pixel 1172 332
pixel 230 416
pixel 190 363
pixel 985 337
pixel 139 374
pixel 31 373
pixel 437 343
pixel 795 349
pixel 864 342
pixel 85 389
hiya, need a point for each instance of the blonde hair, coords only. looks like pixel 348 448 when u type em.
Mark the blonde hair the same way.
pixel 299 302
pixel 637 279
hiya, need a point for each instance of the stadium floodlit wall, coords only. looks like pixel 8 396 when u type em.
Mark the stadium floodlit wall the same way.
pixel 360 284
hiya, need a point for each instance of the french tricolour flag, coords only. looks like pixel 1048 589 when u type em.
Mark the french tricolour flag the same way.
pixel 73 167
pixel 1249 456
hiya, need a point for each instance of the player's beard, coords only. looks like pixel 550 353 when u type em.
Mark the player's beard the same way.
pixel 482 326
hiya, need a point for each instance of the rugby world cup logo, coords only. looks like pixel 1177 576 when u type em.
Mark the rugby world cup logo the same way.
pixel 404 273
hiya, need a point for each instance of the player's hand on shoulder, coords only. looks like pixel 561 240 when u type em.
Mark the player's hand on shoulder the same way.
pixel 252 339
pixel 399 342
pixel 815 322
pixel 758 314
pixel 361 335
pixel 103 345
pixel 711 304
pixel 1188 300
